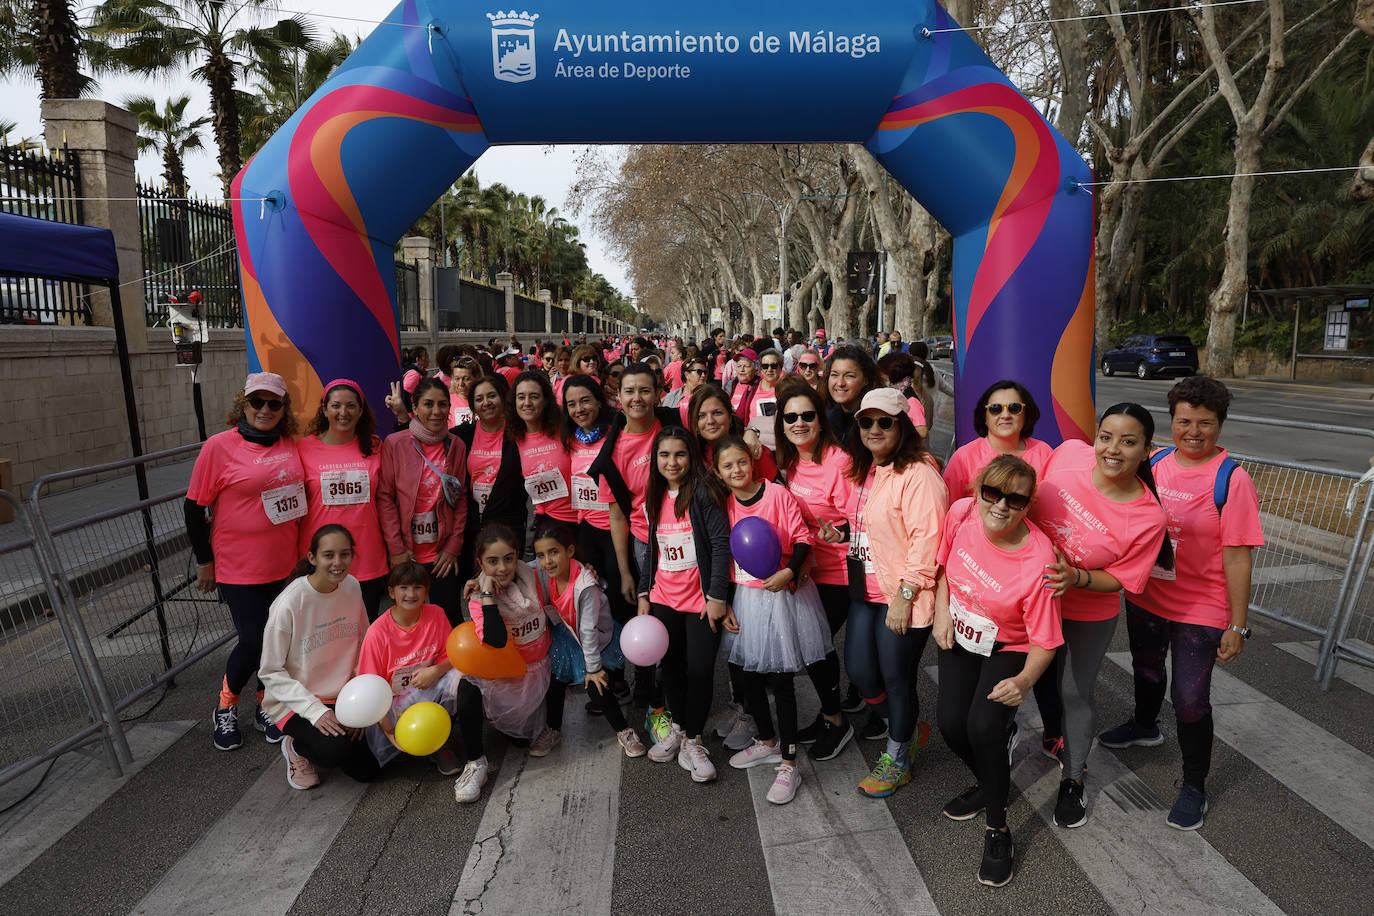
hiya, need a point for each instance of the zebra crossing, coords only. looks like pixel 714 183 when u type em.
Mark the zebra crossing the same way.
pixel 585 830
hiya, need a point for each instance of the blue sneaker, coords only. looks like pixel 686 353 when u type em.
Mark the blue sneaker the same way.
pixel 1188 810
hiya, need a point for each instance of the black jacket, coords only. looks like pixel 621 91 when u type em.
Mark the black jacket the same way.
pixel 508 500
pixel 711 538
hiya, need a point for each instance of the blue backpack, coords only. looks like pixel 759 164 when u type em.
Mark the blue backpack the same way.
pixel 1220 487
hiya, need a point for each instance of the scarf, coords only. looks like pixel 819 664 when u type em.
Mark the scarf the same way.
pixel 423 435
pixel 257 436
pixel 588 437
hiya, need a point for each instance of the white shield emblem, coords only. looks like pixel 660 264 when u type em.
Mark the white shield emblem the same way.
pixel 512 46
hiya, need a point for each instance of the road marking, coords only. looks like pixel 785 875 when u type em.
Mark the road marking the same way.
pixel 76 786
pixel 547 836
pixel 1354 674
pixel 257 857
pixel 1314 764
pixel 831 850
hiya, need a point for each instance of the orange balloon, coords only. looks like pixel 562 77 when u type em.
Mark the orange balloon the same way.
pixel 471 656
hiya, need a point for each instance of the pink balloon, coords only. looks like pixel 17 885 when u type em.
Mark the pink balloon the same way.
pixel 644 640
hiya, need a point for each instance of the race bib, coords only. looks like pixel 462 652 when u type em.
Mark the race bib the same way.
pixel 677 551
pixel 400 678
pixel 528 630
pixel 424 527
pixel 345 488
pixel 974 632
pixel 481 492
pixel 584 493
pixel 858 550
pixel 1166 575
pixel 741 576
pixel 546 486
pixel 284 504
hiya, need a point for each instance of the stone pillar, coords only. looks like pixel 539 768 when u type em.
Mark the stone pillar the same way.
pixel 506 283
pixel 419 250
pixel 572 331
pixel 105 140
pixel 547 296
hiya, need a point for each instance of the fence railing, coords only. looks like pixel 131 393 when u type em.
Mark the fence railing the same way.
pixel 188 244
pixel 42 186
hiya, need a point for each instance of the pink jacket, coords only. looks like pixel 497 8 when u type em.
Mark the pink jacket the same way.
pixel 904 514
pixel 399 481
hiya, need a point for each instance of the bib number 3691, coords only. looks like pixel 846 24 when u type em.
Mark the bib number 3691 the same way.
pixel 974 632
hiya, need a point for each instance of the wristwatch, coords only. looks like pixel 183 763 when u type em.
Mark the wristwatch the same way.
pixel 907 593
pixel 1243 631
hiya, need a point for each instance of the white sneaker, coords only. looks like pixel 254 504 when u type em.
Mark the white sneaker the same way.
pixel 755 755
pixel 696 759
pixel 744 732
pixel 629 740
pixel 785 786
pixel 665 750
pixel 548 739
pixel 726 723
pixel 468 786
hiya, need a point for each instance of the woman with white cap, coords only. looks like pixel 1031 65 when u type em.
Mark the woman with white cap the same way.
pixel 250 478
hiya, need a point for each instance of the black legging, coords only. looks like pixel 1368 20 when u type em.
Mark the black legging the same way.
pixel 757 685
pixel 375 597
pixel 447 592
pixel 825 674
pixel 470 718
pixel 977 728
pixel 334 751
pixel 688 667
pixel 248 606
pixel 558 692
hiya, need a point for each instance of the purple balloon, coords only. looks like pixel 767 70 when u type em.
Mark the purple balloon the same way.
pixel 755 546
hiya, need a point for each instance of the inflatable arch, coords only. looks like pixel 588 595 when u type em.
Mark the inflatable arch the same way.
pixel 318 210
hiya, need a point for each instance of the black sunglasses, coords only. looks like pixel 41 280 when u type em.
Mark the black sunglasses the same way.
pixel 696 371
pixel 884 423
pixel 1015 501
pixel 1014 408
pixel 271 403
pixel 806 416
pixel 770 365
pixel 808 365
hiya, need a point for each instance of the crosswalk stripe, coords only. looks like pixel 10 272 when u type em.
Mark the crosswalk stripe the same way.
pixel 1314 764
pixel 547 836
pixel 76 786
pixel 1353 674
pixel 830 850
pixel 260 854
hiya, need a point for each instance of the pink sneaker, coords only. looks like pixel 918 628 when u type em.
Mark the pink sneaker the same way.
pixel 300 773
pixel 785 785
pixel 756 754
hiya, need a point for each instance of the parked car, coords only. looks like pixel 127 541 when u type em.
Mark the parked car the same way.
pixel 1148 355
pixel 941 346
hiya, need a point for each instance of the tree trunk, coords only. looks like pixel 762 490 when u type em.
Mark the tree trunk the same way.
pixel 219 73
pixel 1225 300
pixel 55 45
pixel 172 171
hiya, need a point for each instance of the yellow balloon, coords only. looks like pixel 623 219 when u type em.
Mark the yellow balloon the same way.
pixel 423 729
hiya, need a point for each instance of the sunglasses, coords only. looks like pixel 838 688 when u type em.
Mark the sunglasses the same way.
pixel 806 416
pixel 808 365
pixel 1014 408
pixel 270 403
pixel 884 423
pixel 696 371
pixel 1015 501
pixel 770 365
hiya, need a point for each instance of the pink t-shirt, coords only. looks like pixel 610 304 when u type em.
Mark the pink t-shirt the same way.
pixel 823 491
pixel 631 457
pixel 1095 532
pixel 672 375
pixel 916 411
pixel 586 492
pixel 547 469
pixel 1194 591
pixel 565 602
pixel 1004 586
pixel 424 524
pixel 858 547
pixel 677 581
pixel 484 461
pixel 779 508
pixel 411 380
pixel 257 499
pixel 558 384
pixel 527 629
pixel 758 409
pixel 969 459
pixel 509 373
pixel 341 488
pixel 396 652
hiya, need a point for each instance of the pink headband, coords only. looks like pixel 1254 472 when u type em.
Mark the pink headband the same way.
pixel 347 383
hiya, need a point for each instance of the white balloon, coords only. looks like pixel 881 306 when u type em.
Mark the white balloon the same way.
pixel 363 701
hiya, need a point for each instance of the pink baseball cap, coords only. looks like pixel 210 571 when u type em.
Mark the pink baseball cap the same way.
pixel 820 332
pixel 265 381
pixel 887 400
pixel 748 354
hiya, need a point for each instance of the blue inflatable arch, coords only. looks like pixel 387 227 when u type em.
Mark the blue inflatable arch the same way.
pixel 438 82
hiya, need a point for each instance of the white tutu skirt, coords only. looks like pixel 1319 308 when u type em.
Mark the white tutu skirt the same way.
pixel 444 692
pixel 780 631
pixel 515 705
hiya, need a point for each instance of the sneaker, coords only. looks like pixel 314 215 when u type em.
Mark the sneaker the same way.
pixel 548 739
pixel 446 762
pixel 666 748
pixel 808 734
pixel 263 723
pixel 629 740
pixel 1188 810
pixel 832 740
pixel 967 805
pixel 300 773
pixel 696 759
pixel 1012 740
pixel 1070 810
pixel 875 729
pixel 756 754
pixel 784 787
pixel 1129 734
pixel 1053 748
pixel 998 850
pixel 852 702
pixel 726 723
pixel 744 732
pixel 887 777
pixel 225 722
pixel 468 786
pixel 657 722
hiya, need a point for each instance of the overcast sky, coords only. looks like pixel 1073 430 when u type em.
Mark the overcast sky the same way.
pixel 548 171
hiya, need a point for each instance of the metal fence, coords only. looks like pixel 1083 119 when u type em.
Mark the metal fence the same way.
pixel 408 296
pixel 188 244
pixel 42 186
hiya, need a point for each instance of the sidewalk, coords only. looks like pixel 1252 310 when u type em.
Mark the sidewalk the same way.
pixel 1334 388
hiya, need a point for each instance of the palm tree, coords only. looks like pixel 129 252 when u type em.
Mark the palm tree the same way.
pixel 41 38
pixel 280 89
pixel 154 36
pixel 168 131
